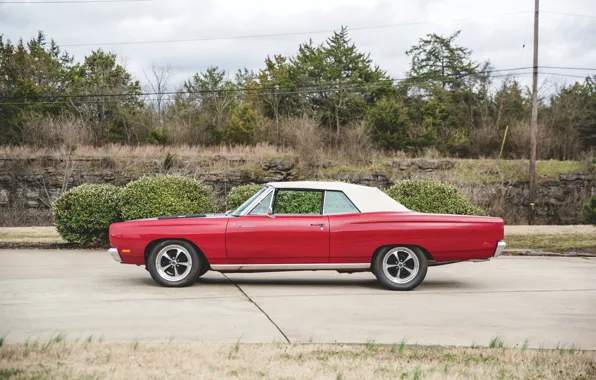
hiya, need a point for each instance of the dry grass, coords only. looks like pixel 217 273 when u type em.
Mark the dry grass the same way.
pixel 29 235
pixel 18 215
pixel 493 171
pixel 309 361
pixel 149 151
pixel 550 230
pixel 312 151
pixel 553 242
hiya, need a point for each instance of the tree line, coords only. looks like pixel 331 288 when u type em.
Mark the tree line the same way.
pixel 448 102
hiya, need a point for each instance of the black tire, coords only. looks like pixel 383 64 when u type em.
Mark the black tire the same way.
pixel 405 259
pixel 204 269
pixel 177 274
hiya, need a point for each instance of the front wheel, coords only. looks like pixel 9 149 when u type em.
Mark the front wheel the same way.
pixel 174 263
pixel 400 268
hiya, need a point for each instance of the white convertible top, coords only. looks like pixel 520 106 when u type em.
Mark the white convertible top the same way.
pixel 365 198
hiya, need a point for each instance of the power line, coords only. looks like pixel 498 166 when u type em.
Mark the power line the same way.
pixel 215 94
pixel 564 75
pixel 568 14
pixel 72 1
pixel 569 68
pixel 283 34
pixel 312 91
pixel 315 87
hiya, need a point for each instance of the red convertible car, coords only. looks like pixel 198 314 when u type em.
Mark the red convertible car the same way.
pixel 344 227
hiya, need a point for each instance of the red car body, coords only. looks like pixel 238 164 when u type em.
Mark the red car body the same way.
pixel 342 241
pixel 351 238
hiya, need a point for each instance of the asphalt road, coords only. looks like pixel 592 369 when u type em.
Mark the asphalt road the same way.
pixel 546 301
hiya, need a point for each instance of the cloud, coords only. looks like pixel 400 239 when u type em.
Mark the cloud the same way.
pixel 565 40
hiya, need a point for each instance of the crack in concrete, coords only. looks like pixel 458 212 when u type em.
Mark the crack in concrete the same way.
pixel 259 307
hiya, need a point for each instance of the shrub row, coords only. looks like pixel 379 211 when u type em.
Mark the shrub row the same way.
pixel 589 210
pixel 83 214
pixel 432 197
pixel 417 195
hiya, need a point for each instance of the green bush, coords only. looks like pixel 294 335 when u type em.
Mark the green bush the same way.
pixel 83 214
pixel 240 194
pixel 242 125
pixel 589 210
pixel 150 197
pixel 388 124
pixel 298 202
pixel 432 197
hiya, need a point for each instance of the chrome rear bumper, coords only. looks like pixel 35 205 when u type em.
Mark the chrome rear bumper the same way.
pixel 115 255
pixel 500 248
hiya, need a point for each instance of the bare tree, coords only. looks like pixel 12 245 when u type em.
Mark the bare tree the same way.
pixel 158 81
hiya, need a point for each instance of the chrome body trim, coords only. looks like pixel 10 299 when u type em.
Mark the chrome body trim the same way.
pixel 500 248
pixel 115 255
pixel 289 267
pixel 254 204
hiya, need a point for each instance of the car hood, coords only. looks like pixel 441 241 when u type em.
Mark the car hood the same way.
pixel 183 217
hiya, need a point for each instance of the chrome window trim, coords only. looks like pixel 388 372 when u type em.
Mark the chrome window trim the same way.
pixel 298 189
pixel 340 213
pixel 254 204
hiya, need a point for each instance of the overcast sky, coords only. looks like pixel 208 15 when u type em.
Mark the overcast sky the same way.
pixel 564 40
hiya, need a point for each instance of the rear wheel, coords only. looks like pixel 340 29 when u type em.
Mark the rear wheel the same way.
pixel 174 263
pixel 204 269
pixel 400 268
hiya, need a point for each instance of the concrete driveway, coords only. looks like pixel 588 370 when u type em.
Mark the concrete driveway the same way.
pixel 544 301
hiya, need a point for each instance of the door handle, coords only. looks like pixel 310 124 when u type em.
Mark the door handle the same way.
pixel 317 225
pixel 241 226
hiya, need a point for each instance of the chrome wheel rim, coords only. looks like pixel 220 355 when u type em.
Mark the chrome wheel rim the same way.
pixel 401 265
pixel 173 263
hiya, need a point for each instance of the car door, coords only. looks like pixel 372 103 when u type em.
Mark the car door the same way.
pixel 294 232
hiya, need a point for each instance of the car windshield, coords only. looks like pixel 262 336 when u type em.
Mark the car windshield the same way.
pixel 243 206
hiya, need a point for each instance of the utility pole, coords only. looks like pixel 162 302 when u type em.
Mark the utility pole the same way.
pixel 534 120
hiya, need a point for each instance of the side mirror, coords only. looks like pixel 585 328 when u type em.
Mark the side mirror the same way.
pixel 270 212
pixel 228 212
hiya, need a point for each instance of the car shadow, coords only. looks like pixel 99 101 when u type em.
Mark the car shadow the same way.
pixel 427 285
pixel 369 283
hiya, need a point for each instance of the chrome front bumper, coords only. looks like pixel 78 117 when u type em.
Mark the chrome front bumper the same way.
pixel 500 248
pixel 115 255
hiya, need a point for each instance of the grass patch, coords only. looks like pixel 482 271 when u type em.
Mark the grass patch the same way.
pixel 496 342
pixel 399 348
pixel 30 235
pixel 490 171
pixel 9 373
pixel 312 361
pixel 554 242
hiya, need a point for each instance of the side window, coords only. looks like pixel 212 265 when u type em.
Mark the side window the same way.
pixel 263 206
pixel 337 202
pixel 298 202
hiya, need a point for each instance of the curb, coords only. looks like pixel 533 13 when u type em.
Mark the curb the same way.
pixel 532 253
pixel 20 245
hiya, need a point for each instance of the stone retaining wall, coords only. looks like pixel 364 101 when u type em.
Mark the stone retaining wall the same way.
pixel 34 183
